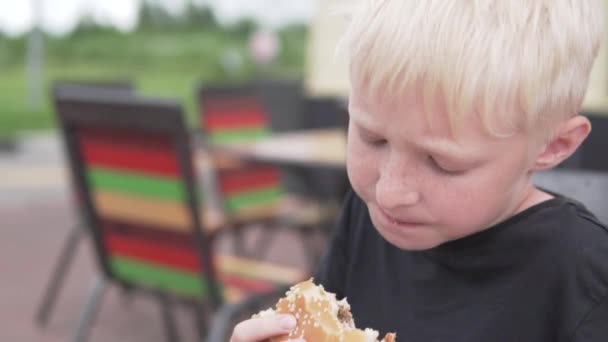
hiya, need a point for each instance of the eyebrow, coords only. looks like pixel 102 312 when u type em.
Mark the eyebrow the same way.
pixel 361 118
pixel 441 147
pixel 444 148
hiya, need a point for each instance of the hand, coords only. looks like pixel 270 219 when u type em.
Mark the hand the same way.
pixel 260 329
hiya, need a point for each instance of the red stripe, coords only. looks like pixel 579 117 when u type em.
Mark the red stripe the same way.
pixel 134 157
pixel 255 177
pixel 181 258
pixel 147 232
pixel 243 119
pixel 153 251
pixel 230 112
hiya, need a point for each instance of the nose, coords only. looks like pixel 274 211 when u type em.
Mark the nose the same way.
pixel 396 185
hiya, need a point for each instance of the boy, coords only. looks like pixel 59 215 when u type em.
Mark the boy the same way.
pixel 455 105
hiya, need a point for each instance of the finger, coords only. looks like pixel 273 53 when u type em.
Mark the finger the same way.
pixel 259 329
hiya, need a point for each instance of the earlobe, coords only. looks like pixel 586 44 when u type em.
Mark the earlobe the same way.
pixel 569 137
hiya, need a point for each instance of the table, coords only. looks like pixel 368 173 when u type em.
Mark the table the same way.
pixel 316 157
pixel 315 148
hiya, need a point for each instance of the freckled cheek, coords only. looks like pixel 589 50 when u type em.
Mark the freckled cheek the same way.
pixel 362 167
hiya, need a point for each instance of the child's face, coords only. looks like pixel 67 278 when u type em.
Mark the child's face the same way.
pixel 423 187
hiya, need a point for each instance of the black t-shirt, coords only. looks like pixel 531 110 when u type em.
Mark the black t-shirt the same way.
pixel 541 275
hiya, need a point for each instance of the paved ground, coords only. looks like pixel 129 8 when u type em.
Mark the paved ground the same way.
pixel 35 217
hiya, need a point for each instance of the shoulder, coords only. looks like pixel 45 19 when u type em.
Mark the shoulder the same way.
pixel 581 249
pixel 581 233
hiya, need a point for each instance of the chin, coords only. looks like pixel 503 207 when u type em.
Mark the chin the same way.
pixel 419 240
pixel 411 245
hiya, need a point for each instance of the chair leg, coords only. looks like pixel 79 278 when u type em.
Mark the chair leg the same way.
pixel 222 322
pixel 238 236
pixel 58 275
pixel 264 242
pixel 201 320
pixel 225 316
pixel 168 318
pixel 126 295
pixel 310 248
pixel 89 312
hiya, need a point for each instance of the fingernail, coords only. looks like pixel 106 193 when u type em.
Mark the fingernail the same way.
pixel 298 340
pixel 288 322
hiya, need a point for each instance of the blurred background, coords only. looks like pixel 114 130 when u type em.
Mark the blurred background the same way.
pixel 164 47
pixel 269 65
pixel 148 50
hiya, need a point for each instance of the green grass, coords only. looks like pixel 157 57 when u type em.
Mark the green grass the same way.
pixel 162 64
pixel 17 114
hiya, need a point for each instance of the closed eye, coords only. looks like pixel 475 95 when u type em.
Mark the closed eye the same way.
pixel 375 142
pixel 443 169
pixel 370 138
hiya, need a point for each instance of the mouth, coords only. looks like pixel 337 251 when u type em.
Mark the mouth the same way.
pixel 397 222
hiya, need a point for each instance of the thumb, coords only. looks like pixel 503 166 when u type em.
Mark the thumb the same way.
pixel 259 329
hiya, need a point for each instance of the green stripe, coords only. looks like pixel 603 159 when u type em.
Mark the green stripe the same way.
pixel 238 135
pixel 183 283
pixel 136 183
pixel 253 198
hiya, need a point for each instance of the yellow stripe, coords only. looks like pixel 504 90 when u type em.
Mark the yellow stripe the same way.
pixel 259 270
pixel 257 211
pixel 164 214
pixel 233 295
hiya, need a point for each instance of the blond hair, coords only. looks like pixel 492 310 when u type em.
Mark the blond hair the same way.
pixel 530 59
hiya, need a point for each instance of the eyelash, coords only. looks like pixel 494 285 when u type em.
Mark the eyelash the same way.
pixel 441 170
pixel 375 142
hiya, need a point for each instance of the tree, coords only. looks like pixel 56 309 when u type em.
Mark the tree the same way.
pixel 153 15
pixel 243 28
pixel 199 16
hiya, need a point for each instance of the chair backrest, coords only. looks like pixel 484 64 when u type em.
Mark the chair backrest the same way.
pixel 282 100
pixel 318 113
pixel 232 114
pixel 108 88
pixel 236 114
pixel 587 187
pixel 326 112
pixel 131 160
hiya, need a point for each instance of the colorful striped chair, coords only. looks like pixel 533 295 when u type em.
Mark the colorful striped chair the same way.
pixel 254 192
pixel 74 88
pixel 132 162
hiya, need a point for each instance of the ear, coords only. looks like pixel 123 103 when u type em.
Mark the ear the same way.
pixel 570 135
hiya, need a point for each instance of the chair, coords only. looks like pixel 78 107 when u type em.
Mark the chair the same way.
pixel 76 88
pixel 586 186
pixel 131 161
pixel 254 192
pixel 326 112
pixel 109 88
pixel 282 101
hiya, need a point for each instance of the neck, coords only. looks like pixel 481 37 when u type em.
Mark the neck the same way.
pixel 532 197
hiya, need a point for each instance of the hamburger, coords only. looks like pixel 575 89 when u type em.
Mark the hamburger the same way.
pixel 321 317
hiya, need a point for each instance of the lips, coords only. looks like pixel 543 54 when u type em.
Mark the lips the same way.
pixel 399 222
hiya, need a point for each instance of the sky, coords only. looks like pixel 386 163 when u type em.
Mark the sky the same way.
pixel 60 16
